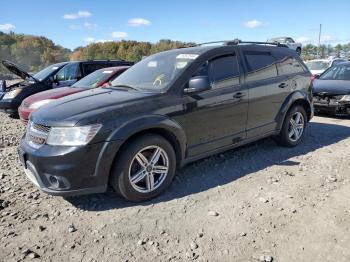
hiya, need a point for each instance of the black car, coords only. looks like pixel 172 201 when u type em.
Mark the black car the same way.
pixel 56 75
pixel 169 109
pixel 331 90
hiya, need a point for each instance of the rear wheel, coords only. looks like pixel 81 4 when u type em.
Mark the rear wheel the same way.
pixel 293 128
pixel 144 168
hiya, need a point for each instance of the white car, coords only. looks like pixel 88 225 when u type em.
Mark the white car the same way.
pixel 318 66
pixel 288 41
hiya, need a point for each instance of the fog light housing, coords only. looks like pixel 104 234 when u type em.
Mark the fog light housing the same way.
pixel 57 182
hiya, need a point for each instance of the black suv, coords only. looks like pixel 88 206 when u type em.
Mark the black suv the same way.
pixel 53 76
pixel 169 109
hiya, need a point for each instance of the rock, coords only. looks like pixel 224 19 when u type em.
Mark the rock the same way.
pixel 262 258
pixel 243 234
pixel 213 213
pixel 268 258
pixel 33 255
pixel 71 228
pixel 331 179
pixel 193 245
pixel 264 200
pixel 141 242
pixel 200 234
pixel 41 228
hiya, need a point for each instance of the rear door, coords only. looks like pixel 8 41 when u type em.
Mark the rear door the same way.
pixel 217 117
pixel 265 90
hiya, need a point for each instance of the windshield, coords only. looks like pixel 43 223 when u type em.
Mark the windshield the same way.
pixel 156 72
pixel 317 65
pixel 339 72
pixel 94 79
pixel 41 75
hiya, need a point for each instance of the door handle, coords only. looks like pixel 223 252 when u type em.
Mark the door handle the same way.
pixel 239 95
pixel 282 85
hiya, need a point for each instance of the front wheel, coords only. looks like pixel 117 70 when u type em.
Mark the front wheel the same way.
pixel 293 128
pixel 144 168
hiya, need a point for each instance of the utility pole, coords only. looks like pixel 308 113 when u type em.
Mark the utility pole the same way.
pixel 319 42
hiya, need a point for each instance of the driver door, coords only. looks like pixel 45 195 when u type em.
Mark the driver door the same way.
pixel 216 118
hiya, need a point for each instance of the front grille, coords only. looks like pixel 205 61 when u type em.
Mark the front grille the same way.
pixel 36 134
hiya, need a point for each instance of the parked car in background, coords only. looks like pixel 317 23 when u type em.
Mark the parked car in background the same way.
pixel 11 97
pixel 318 66
pixel 99 78
pixel 331 90
pixel 54 76
pixel 167 110
pixel 288 41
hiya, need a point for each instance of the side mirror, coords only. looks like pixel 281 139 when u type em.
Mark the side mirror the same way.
pixel 2 85
pixel 197 84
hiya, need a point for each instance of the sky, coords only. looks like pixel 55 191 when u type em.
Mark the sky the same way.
pixel 73 23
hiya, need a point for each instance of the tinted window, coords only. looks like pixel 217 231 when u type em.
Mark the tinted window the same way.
pixel 288 65
pixel 339 72
pixel 223 71
pixel 89 68
pixel 261 65
pixel 69 72
pixel 335 62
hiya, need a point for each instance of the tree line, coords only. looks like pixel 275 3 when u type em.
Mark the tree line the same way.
pixel 36 52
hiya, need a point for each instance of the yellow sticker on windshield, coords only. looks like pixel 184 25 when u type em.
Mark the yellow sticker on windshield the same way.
pixel 187 56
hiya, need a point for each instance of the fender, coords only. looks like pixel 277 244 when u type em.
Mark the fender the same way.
pixel 118 137
pixel 288 102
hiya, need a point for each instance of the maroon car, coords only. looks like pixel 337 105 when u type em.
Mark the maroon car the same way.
pixel 99 78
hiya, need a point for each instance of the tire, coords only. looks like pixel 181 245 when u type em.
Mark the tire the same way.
pixel 135 158
pixel 284 138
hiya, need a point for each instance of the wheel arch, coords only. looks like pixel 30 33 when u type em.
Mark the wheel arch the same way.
pixel 119 138
pixel 296 98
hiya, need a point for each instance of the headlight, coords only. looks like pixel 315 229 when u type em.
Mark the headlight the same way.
pixel 38 104
pixel 345 98
pixel 72 136
pixel 12 94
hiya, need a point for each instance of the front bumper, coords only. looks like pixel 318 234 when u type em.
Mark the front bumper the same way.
pixel 67 171
pixel 9 106
pixel 24 113
pixel 331 106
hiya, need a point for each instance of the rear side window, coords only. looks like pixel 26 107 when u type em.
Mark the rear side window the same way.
pixel 287 64
pixel 224 71
pixel 261 65
pixel 69 72
pixel 89 68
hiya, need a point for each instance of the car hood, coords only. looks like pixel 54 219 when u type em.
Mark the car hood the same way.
pixel 331 87
pixel 69 110
pixel 15 69
pixel 51 94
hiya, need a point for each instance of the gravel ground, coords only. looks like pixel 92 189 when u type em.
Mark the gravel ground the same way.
pixel 260 202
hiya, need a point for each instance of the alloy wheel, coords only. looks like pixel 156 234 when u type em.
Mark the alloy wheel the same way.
pixel 296 126
pixel 148 169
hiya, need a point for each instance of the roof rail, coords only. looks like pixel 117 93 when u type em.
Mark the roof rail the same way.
pixel 238 41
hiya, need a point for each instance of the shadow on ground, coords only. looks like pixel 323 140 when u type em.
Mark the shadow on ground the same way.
pixel 225 168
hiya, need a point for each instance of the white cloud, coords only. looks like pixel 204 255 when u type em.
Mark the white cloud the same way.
pixel 79 14
pixel 328 39
pixel 303 40
pixel 118 34
pixel 89 25
pixel 138 22
pixel 6 28
pixel 255 24
pixel 89 39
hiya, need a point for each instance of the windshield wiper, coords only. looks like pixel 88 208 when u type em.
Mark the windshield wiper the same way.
pixel 126 86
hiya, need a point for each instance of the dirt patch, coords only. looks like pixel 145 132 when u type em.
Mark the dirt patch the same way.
pixel 257 203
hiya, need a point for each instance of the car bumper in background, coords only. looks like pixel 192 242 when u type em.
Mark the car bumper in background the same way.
pixel 24 114
pixel 9 106
pixel 331 106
